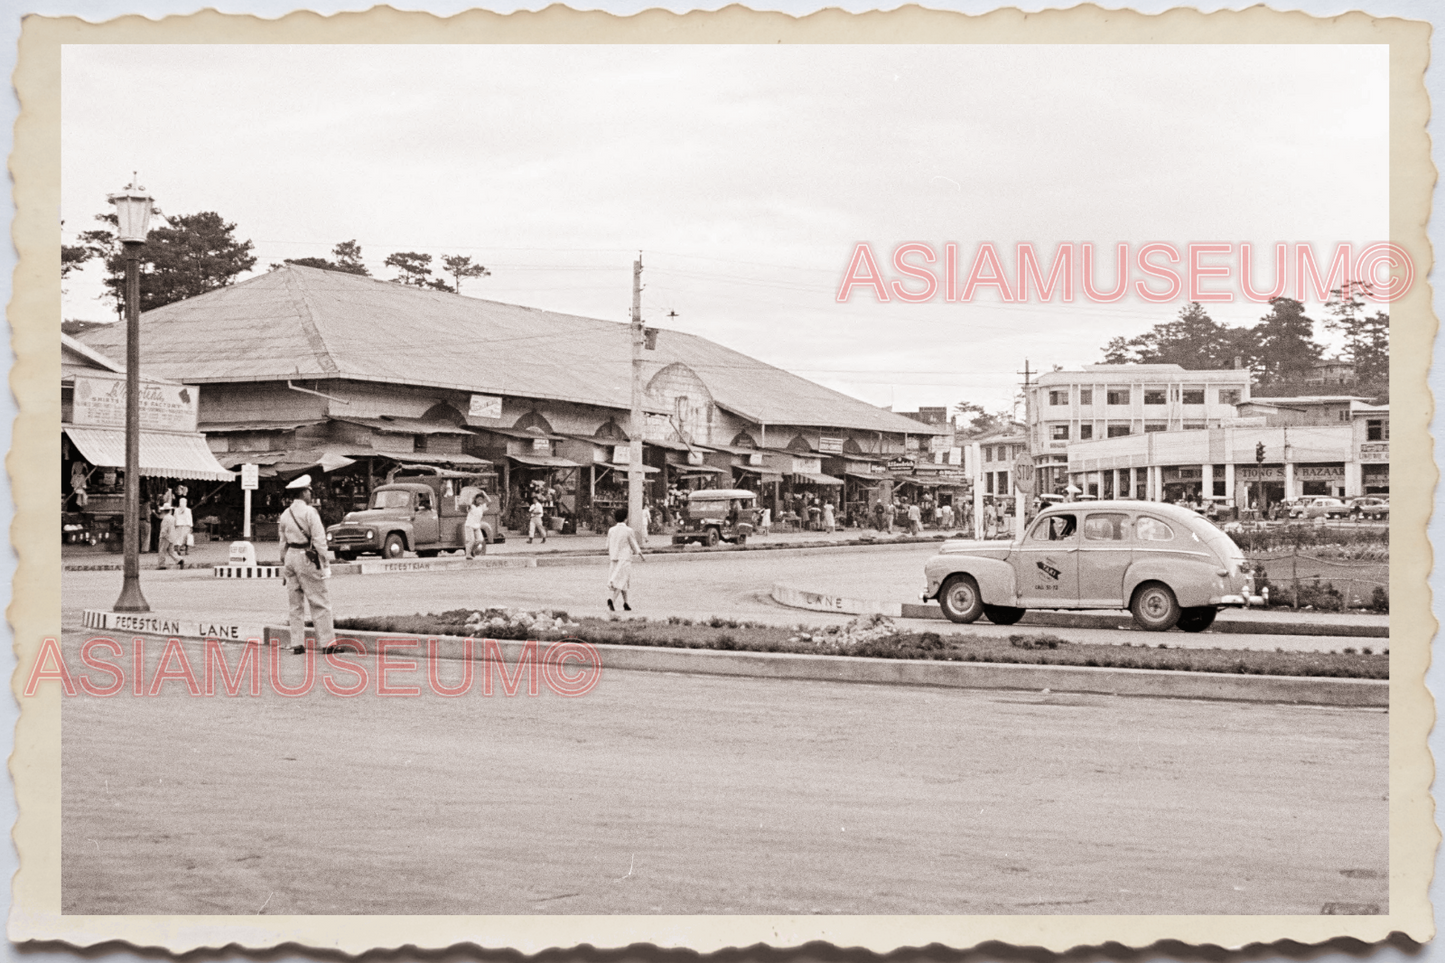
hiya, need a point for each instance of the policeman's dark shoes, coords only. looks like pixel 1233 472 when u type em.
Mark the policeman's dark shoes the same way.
pixel 332 650
pixel 298 650
pixel 626 607
pixel 610 606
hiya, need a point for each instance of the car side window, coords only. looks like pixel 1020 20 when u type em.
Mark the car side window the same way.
pixel 1106 527
pixel 1153 530
pixel 423 501
pixel 1055 528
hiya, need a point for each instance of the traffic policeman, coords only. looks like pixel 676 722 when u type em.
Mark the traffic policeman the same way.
pixel 303 537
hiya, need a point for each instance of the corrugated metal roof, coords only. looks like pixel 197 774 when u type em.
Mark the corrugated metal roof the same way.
pixel 298 322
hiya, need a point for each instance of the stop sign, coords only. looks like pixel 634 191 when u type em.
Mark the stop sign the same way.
pixel 1024 473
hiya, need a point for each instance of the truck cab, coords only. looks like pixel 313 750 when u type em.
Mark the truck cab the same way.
pixel 419 509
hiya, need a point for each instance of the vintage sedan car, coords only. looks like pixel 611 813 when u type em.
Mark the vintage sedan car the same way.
pixel 1319 506
pixel 1168 565
pixel 1369 506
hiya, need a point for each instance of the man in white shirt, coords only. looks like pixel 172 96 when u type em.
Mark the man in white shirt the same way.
pixel 535 523
pixel 622 547
pixel 476 541
pixel 301 530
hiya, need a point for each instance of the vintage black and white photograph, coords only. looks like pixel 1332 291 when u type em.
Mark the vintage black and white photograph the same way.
pixel 757 480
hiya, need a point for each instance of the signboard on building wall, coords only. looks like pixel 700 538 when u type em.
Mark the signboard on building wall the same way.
pixel 831 444
pixel 621 454
pixel 901 464
pixel 1184 473
pixel 1334 473
pixel 1259 473
pixel 485 406
pixel 543 445
pixel 807 466
pixel 940 443
pixel 99 400
pixel 1375 452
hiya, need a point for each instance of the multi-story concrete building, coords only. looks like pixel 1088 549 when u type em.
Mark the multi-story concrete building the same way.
pixel 1103 401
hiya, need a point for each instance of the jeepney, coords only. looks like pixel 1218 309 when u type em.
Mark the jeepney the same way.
pixel 713 515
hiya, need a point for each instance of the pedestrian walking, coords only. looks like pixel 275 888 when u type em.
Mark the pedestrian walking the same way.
pixel 305 567
pixel 646 522
pixel 830 521
pixel 472 533
pixel 622 548
pixel 184 523
pixel 535 524
pixel 946 516
pixel 915 519
pixel 889 510
pixel 166 546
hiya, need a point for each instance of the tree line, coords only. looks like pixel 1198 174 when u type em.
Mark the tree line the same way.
pixel 186 255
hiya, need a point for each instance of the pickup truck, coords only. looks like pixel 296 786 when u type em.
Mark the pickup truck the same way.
pixel 422 512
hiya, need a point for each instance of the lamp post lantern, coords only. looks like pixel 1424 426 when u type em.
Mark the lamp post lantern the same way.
pixel 133 210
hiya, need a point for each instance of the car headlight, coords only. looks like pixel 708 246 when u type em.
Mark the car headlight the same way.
pixel 370 533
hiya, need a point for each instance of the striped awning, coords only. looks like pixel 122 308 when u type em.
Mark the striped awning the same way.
pixel 163 454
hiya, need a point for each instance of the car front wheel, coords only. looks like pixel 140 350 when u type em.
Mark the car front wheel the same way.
pixel 1002 614
pixel 1154 607
pixel 960 600
pixel 1197 620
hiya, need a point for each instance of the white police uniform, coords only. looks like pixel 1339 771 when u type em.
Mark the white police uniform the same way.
pixel 300 527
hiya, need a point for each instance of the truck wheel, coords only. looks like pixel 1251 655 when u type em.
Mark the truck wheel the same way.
pixel 1155 608
pixel 1197 620
pixel 742 538
pixel 393 547
pixel 959 599
pixel 1002 614
pixel 712 537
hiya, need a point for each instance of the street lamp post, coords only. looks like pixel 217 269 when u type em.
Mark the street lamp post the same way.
pixel 133 209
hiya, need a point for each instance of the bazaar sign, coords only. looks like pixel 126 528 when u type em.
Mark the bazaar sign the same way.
pixel 485 406
pixel 99 400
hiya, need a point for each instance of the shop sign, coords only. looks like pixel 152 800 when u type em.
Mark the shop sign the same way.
pixel 940 443
pixel 753 459
pixel 950 473
pixel 622 454
pixel 1375 452
pixel 901 464
pixel 100 401
pixel 485 406
pixel 1320 472
pixel 831 444
pixel 694 458
pixel 543 445
pixel 1259 473
pixel 1184 473
pixel 807 466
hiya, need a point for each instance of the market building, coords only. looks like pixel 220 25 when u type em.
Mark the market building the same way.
pixel 350 377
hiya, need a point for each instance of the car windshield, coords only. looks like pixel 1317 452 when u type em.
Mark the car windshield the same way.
pixel 391 499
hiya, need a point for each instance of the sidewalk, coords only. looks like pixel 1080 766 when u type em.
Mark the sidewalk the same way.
pixel 210 554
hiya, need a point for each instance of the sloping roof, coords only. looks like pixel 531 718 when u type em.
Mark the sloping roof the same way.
pixel 307 323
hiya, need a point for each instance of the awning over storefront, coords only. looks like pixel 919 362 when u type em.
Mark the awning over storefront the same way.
pixel 819 479
pixel 162 454
pixel 765 476
pixel 868 477
pixel 646 469
pixel 544 461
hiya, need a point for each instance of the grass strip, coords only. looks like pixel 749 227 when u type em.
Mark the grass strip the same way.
pixel 874 637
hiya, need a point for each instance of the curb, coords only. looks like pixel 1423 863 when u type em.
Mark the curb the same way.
pixel 1152 683
pixel 794 597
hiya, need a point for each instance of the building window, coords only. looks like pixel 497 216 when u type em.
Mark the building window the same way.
pixel 1229 396
pixel 1152 396
pixel 1086 432
pixel 1195 426
pixel 988 452
pixel 1086 396
pixel 1118 431
pixel 1344 415
pixel 1194 396
pixel 1155 426
pixel 1377 429
pixel 1117 396
pixel 1059 396
pixel 1059 432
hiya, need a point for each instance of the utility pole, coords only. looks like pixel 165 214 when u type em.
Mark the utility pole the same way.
pixel 634 431
pixel 1024 486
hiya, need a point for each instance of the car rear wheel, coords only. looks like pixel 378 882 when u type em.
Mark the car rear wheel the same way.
pixel 1197 620
pixel 1155 608
pixel 960 600
pixel 393 547
pixel 1002 614
pixel 712 537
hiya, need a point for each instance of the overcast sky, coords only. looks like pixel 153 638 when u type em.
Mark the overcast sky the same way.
pixel 747 175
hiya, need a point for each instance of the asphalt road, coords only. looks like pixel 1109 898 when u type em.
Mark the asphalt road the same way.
pixel 695 585
pixel 677 794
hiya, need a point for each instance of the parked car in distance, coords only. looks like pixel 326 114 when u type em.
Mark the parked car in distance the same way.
pixel 1369 506
pixel 713 515
pixel 1319 506
pixel 1166 564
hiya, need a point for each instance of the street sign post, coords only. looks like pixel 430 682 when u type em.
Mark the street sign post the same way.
pixel 250 481
pixel 1024 473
